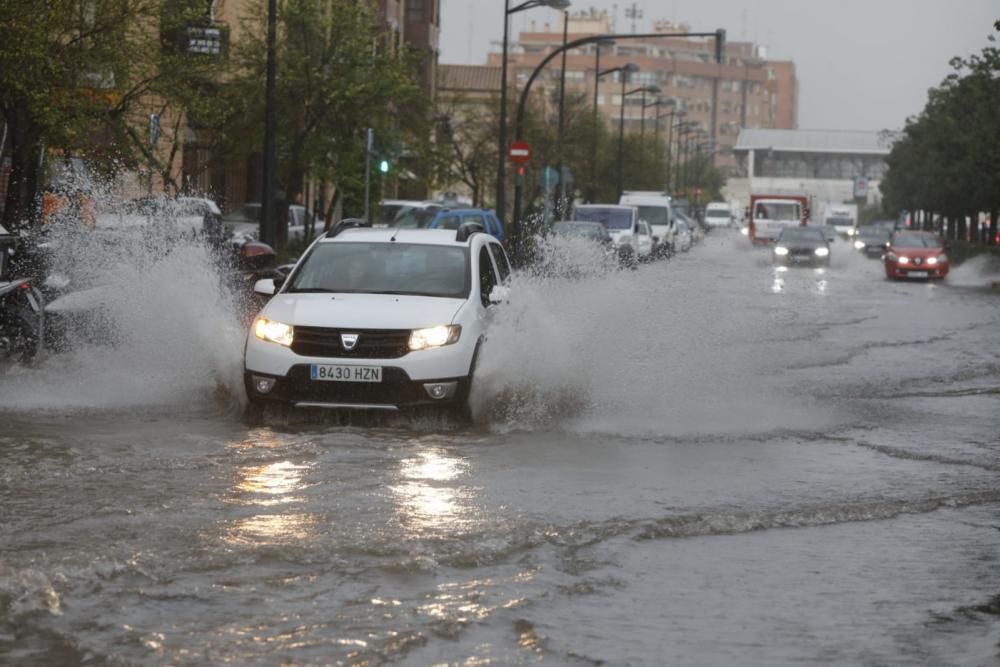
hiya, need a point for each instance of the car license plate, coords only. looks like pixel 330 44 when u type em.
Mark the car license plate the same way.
pixel 917 274
pixel 332 373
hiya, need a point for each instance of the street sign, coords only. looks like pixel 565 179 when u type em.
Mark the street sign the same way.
pixel 519 152
pixel 860 187
pixel 154 128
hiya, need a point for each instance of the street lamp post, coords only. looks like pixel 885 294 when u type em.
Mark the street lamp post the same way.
pixel 597 87
pixel 501 204
pixel 561 190
pixel 516 236
pixel 621 130
pixel 642 118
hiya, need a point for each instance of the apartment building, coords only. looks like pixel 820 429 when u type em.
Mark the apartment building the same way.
pixel 752 91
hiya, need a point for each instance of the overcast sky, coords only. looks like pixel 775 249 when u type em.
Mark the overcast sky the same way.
pixel 862 64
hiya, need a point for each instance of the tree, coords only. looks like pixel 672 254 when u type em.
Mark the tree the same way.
pixel 336 77
pixel 947 160
pixel 75 76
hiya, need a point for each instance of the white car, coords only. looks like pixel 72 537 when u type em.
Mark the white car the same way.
pixel 645 242
pixel 377 319
pixel 622 223
pixel 683 238
pixel 656 209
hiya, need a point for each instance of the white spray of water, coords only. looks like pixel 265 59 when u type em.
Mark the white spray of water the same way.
pixel 977 272
pixel 649 352
pixel 161 328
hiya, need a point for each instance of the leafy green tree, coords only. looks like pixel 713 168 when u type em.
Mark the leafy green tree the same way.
pixel 77 78
pixel 336 76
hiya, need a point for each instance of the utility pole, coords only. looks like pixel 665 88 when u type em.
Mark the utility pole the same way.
pixel 267 218
pixel 369 146
pixel 633 13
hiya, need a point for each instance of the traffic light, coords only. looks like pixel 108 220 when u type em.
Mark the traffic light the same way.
pixel 384 166
pixel 720 46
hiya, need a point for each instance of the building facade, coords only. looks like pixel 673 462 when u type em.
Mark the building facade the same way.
pixel 826 165
pixel 751 91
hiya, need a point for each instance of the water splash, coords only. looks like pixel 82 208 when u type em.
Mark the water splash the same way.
pixel 149 321
pixel 628 352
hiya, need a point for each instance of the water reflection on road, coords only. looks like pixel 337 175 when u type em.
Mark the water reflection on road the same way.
pixel 706 461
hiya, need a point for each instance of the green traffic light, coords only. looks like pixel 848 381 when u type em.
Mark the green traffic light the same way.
pixel 383 166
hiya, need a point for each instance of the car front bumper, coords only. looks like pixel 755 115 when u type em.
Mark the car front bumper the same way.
pixel 403 378
pixel 922 272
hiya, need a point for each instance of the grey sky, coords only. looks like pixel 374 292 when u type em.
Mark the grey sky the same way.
pixel 862 64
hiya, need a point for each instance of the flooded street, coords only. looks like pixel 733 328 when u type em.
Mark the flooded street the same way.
pixel 704 461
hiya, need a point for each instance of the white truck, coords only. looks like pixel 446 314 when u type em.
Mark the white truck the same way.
pixel 842 218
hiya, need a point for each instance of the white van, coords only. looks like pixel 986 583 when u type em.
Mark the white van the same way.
pixel 655 209
pixel 718 214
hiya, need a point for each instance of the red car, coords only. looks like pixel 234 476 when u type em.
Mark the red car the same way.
pixel 913 254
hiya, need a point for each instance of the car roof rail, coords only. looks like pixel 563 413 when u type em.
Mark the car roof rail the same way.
pixel 467 229
pixel 348 223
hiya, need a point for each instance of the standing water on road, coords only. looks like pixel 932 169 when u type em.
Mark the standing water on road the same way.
pixel 702 461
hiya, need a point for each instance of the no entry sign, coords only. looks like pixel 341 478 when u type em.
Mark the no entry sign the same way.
pixel 519 152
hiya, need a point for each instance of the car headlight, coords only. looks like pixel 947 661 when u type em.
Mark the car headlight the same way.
pixel 822 252
pixel 904 260
pixel 421 339
pixel 780 250
pixel 745 231
pixel 931 261
pixel 859 245
pixel 275 332
pixel 851 232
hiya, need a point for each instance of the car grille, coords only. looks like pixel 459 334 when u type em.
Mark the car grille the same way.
pixel 372 343
pixel 801 252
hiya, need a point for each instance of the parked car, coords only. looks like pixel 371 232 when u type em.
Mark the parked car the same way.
pixel 622 223
pixel 696 229
pixel 575 249
pixel 416 216
pixel 244 221
pixel 656 209
pixel 645 242
pixel 683 238
pixel 453 219
pixel 873 240
pixel 801 246
pixel 914 254
pixel 718 214
pixel 388 210
pixel 377 319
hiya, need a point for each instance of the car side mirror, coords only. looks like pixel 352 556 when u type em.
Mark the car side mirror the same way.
pixel 499 294
pixel 265 287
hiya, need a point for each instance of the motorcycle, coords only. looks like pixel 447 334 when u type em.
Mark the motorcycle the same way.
pixel 22 319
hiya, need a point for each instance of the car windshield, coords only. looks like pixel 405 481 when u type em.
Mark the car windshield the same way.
pixel 716 213
pixel 795 234
pixel 611 217
pixel 655 215
pixel 415 218
pixel 840 222
pixel 385 268
pixel 910 240
pixel 777 211
pixel 577 230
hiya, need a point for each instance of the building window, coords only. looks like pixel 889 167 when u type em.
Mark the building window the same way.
pixel 415 10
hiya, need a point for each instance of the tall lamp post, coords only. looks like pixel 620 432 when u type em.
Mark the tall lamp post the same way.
pixel 656 132
pixel 621 130
pixel 683 128
pixel 657 102
pixel 625 72
pixel 501 204
pixel 597 89
pixel 267 218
